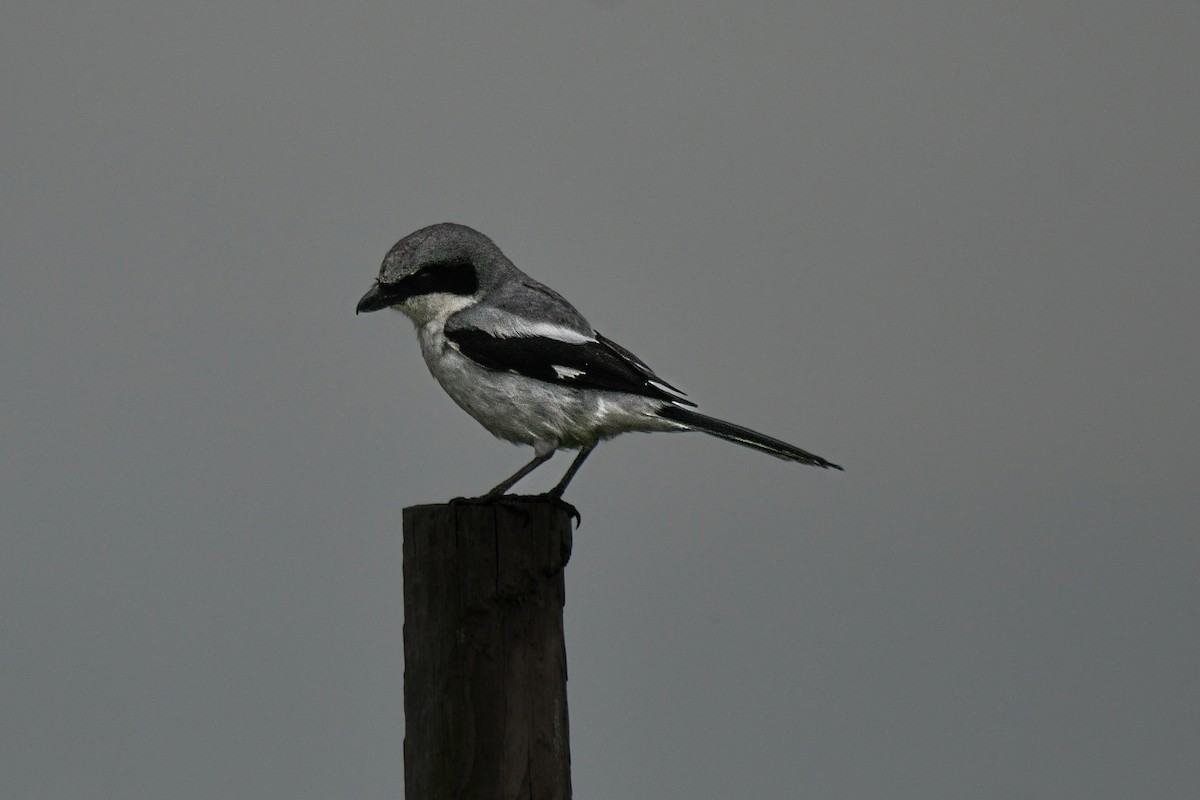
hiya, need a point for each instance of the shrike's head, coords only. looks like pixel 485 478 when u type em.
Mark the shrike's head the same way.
pixel 436 271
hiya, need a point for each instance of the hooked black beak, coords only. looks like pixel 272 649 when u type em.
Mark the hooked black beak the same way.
pixel 381 295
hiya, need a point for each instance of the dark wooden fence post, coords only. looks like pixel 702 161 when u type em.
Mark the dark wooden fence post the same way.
pixel 485 668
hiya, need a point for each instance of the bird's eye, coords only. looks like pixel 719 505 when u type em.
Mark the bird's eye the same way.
pixel 453 277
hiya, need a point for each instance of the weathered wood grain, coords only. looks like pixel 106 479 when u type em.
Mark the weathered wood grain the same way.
pixel 485 694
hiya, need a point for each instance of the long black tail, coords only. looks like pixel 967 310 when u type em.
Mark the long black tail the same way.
pixel 743 436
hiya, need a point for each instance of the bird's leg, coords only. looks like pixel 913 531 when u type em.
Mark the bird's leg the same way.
pixel 584 452
pixel 538 459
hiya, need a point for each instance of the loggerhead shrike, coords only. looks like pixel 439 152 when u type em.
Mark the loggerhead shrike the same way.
pixel 522 361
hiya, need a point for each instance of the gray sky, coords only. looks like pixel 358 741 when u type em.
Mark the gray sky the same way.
pixel 950 245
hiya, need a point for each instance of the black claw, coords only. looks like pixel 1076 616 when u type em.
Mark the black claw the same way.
pixel 573 511
pixel 564 505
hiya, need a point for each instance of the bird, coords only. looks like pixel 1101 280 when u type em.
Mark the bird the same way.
pixel 521 360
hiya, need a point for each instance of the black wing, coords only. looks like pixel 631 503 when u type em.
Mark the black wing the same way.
pixel 593 364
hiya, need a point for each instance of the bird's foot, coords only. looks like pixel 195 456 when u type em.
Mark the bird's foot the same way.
pixel 519 501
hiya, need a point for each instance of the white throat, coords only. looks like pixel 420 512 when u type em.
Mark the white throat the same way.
pixel 434 308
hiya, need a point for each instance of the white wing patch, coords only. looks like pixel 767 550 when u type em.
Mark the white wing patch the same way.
pixel 514 327
pixel 564 373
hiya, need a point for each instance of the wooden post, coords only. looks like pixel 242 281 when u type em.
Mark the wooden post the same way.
pixel 485 668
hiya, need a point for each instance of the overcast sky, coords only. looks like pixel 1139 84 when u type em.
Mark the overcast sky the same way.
pixel 949 245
